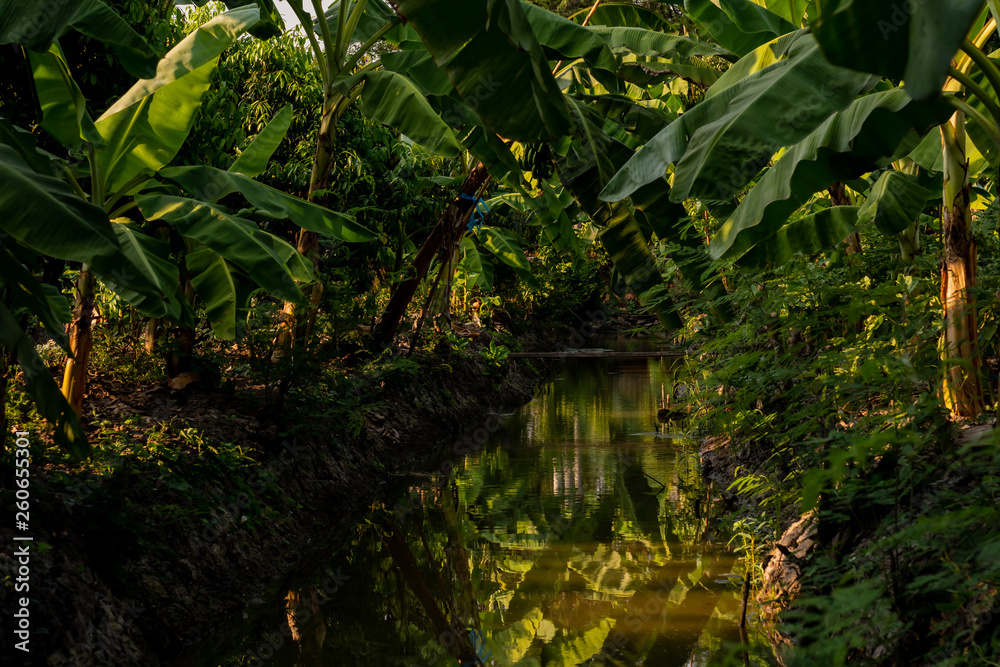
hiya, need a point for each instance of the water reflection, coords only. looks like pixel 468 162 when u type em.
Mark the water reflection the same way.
pixel 579 535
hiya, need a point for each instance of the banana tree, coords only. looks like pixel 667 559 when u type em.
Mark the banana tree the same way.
pixel 835 124
pixel 603 65
pixel 129 145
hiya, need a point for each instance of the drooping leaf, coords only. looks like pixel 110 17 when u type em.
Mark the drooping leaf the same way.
pixel 915 41
pixel 24 145
pixel 847 145
pixel 738 25
pixel 216 284
pixel 621 14
pixel 803 237
pixel 253 161
pixel 776 107
pixel 394 100
pixel 583 171
pixel 722 143
pixel 494 62
pixel 894 203
pixel 211 184
pixel 99 21
pixel 43 214
pixel 152 257
pixel 260 254
pixel 648 73
pixel 51 404
pixel 146 127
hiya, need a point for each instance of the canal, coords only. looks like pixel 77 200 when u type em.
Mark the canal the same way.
pixel 576 530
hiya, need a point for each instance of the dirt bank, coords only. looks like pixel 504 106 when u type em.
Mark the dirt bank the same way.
pixel 130 569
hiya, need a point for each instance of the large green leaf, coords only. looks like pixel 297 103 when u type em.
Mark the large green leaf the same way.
pixel 152 257
pixel 637 119
pixel 894 203
pixel 36 26
pixel 776 107
pixel 376 14
pixel 494 62
pixel 507 248
pixel 49 401
pixel 260 254
pixel 723 142
pixel 253 161
pixel 915 41
pixel 43 214
pixel 146 127
pixel 394 100
pixel 24 145
pixel 211 184
pixel 64 109
pixel 847 145
pixel 805 236
pixel 738 25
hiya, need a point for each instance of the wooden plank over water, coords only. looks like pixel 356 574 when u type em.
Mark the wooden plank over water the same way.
pixel 594 354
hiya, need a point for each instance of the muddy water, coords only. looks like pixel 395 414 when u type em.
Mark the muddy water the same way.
pixel 576 530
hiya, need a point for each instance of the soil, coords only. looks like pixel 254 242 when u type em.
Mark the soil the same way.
pixel 128 573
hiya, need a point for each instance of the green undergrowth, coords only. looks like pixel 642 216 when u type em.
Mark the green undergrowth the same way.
pixel 825 393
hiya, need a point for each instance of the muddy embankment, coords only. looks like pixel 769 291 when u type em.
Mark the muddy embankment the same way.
pixel 127 572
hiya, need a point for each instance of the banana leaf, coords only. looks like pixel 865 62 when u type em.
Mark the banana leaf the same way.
pixel 261 255
pixel 495 63
pixel 915 41
pixel 211 184
pixel 868 134
pixel 253 160
pixel 146 127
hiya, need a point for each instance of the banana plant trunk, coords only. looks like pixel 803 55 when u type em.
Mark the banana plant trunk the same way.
pixel 449 226
pixel 300 320
pixel 963 392
pixel 80 341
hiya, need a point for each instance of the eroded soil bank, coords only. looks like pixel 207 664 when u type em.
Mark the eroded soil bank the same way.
pixel 129 570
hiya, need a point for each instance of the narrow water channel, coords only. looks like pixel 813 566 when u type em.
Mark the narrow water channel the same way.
pixel 579 532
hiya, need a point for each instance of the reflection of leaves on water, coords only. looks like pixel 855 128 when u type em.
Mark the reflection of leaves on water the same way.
pixel 550 541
